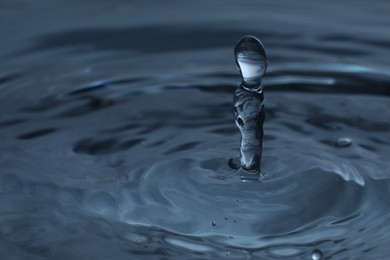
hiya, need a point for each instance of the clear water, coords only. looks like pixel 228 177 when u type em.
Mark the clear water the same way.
pixel 116 130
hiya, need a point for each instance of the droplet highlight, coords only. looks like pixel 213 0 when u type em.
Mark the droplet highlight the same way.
pixel 343 142
pixel 316 255
pixel 251 61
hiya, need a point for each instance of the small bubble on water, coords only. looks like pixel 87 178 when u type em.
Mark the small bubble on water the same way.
pixel 316 255
pixel 343 142
pixel 213 223
pixel 251 61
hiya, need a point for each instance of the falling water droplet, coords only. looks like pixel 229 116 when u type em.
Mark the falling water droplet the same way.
pixel 214 223
pixel 343 142
pixel 251 62
pixel 227 253
pixel 316 255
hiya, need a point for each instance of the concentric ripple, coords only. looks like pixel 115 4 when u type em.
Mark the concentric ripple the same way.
pixel 117 129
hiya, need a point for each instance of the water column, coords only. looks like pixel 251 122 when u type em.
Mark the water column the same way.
pixel 248 109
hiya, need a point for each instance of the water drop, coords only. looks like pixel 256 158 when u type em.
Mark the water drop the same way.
pixel 343 142
pixel 316 255
pixel 251 62
pixel 214 223
pixel 227 253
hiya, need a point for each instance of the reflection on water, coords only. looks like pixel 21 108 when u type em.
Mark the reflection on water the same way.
pixel 117 130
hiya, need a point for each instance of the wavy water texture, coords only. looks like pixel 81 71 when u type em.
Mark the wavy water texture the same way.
pixel 117 131
pixel 156 170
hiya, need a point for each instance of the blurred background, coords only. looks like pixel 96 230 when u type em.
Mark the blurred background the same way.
pixel 143 38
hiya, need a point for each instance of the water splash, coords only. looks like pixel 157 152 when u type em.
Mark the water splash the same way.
pixel 248 109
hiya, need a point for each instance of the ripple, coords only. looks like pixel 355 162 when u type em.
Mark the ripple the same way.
pixel 37 133
pixel 104 146
pixel 275 207
pixel 8 77
pixel 116 139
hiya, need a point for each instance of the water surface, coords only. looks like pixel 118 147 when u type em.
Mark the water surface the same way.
pixel 117 129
